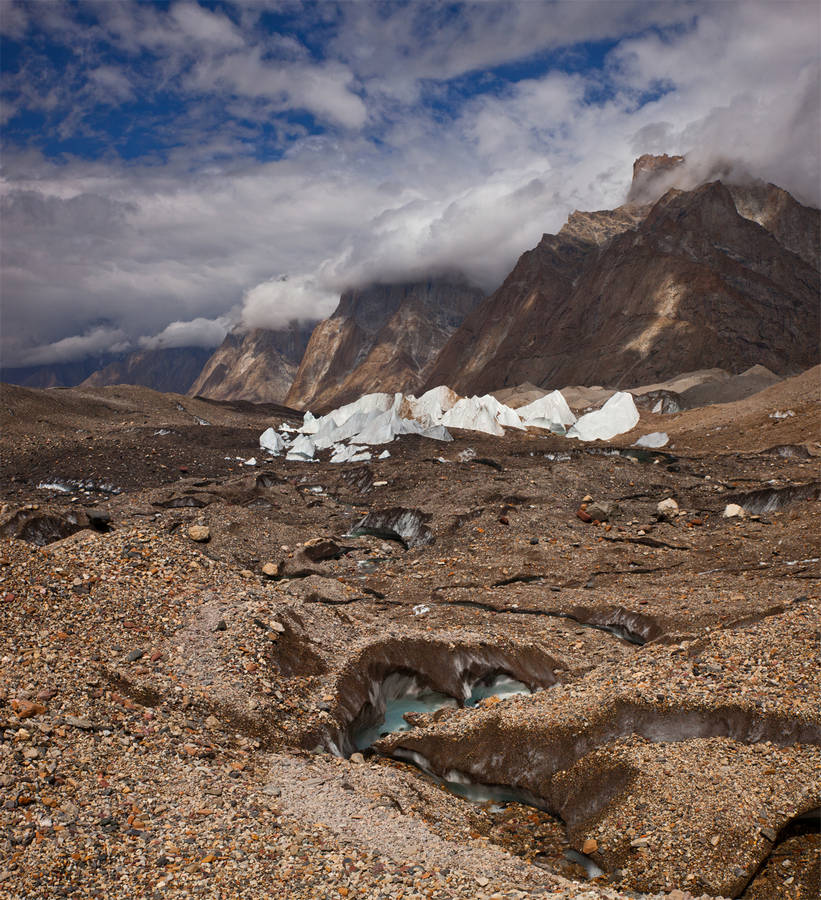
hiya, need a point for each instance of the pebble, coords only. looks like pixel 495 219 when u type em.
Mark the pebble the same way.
pixel 199 533
pixel 78 722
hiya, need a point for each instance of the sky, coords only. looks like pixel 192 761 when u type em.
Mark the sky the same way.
pixel 170 170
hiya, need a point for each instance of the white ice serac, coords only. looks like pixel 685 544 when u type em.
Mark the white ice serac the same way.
pixel 617 416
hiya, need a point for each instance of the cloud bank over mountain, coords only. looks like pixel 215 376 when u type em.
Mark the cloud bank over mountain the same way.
pixel 188 167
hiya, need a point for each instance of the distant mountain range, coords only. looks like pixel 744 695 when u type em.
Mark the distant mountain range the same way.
pixel 171 370
pixel 724 275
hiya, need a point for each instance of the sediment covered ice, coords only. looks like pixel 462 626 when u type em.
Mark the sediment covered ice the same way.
pixel 431 406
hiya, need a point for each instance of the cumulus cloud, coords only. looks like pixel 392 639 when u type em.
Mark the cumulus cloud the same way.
pixel 324 89
pixel 197 332
pixel 278 301
pixel 399 150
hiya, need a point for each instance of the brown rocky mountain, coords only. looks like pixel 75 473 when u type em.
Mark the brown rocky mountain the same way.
pixel 257 365
pixel 171 369
pixel 720 276
pixel 383 337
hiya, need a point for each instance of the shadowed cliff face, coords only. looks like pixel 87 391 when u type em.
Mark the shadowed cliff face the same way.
pixel 383 337
pixel 716 276
pixel 258 365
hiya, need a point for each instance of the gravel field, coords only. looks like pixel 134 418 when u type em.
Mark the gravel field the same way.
pixel 189 645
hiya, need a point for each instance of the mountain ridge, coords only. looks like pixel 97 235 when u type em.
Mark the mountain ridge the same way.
pixel 692 281
pixel 385 334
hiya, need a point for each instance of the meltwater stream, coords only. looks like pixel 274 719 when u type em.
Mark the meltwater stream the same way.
pixel 404 694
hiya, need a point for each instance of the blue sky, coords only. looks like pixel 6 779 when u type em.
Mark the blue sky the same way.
pixel 172 169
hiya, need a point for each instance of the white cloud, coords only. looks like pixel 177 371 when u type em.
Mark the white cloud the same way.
pixel 275 303
pixel 198 332
pixel 324 90
pixel 402 188
pixel 98 340
pixel 13 19
pixel 203 26
pixel 114 84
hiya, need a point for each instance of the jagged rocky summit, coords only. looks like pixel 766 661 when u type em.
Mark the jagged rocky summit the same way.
pixel 382 337
pixel 256 365
pixel 725 275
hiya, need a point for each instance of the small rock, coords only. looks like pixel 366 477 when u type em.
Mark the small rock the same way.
pixel 221 626
pixel 278 627
pixel 587 499
pixel 770 834
pixel 715 839
pixel 733 510
pixel 135 655
pixel 482 881
pixel 318 549
pixel 25 709
pixel 357 759
pixel 640 842
pixel 213 723
pixel 199 533
pixel 667 507
pixel 273 570
pixel 603 510
pixel 583 515
pixel 273 790
pixel 78 722
pixel 591 845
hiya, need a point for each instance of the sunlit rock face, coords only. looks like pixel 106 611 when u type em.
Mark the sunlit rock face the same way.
pixel 257 365
pixel 724 275
pixel 381 337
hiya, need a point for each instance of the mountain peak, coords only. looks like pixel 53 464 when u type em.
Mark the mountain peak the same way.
pixel 648 169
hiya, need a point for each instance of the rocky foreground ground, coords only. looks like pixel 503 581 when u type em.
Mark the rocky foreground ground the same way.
pixel 190 643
